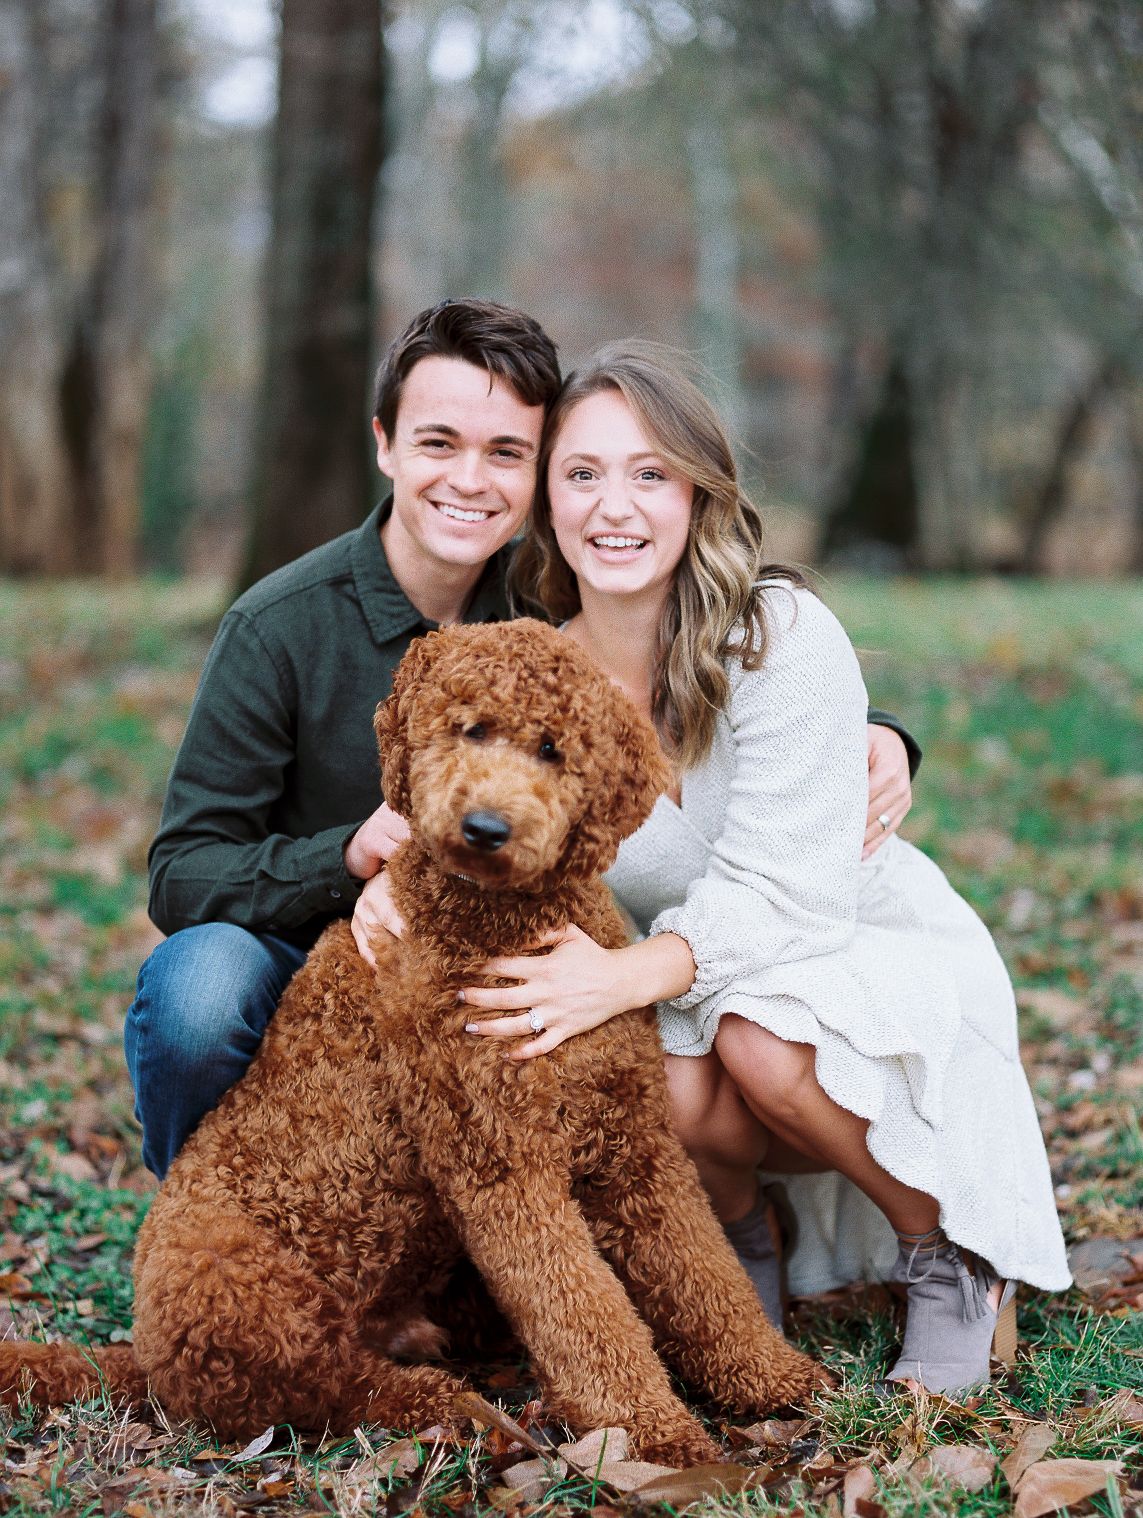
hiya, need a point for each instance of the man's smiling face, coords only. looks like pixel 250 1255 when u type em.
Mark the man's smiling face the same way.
pixel 463 464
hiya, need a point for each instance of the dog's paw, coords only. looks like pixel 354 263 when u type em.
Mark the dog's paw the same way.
pixel 794 1378
pixel 680 1447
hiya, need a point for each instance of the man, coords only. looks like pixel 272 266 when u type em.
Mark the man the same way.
pixel 271 825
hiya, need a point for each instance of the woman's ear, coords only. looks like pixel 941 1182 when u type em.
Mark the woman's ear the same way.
pixel 632 774
pixel 391 720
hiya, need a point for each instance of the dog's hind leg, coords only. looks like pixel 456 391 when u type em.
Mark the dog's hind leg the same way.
pixel 236 1328
pixel 52 1374
pixel 656 1227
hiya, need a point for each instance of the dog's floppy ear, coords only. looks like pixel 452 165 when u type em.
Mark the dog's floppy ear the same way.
pixel 391 720
pixel 632 774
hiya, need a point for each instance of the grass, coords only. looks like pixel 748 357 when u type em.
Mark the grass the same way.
pixel 1028 700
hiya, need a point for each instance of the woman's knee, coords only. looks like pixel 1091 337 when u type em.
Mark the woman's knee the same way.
pixel 691 1086
pixel 708 1114
pixel 773 1074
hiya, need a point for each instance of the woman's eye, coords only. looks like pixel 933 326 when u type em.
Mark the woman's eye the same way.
pixel 580 476
pixel 549 751
pixel 651 474
pixel 476 731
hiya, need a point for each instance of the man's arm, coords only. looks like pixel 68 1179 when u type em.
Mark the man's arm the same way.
pixel 215 858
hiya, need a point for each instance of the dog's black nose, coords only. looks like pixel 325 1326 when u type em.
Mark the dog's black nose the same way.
pixel 486 830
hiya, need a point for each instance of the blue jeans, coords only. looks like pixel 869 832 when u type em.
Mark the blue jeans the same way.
pixel 202 1003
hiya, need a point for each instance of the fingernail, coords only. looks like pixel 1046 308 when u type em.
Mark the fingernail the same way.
pixel 470 1027
pixel 460 996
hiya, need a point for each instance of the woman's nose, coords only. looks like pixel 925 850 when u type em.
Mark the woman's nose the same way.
pixel 614 501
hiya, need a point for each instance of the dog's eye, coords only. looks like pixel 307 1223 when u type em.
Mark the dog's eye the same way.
pixel 550 752
pixel 476 731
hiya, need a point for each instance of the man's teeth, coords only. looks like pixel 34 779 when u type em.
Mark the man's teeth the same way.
pixel 460 515
pixel 619 542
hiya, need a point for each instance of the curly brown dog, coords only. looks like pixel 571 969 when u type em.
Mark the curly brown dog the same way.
pixel 306 1227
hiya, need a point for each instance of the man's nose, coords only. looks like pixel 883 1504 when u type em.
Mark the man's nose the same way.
pixel 468 473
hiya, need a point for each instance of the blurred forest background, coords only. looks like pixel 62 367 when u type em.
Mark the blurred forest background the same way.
pixel 904 237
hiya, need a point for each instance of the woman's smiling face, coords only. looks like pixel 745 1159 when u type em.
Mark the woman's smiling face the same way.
pixel 620 514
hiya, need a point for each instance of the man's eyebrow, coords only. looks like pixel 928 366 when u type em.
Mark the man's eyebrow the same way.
pixel 441 429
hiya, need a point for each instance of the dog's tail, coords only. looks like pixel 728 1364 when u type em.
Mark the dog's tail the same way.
pixel 51 1374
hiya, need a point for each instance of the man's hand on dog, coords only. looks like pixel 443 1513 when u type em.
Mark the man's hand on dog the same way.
pixel 381 836
pixel 376 840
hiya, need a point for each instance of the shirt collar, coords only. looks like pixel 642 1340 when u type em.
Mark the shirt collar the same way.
pixel 387 608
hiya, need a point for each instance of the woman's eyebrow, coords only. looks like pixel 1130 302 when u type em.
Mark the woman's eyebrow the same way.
pixel 592 458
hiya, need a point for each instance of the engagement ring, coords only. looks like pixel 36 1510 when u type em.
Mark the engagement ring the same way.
pixel 884 820
pixel 536 1022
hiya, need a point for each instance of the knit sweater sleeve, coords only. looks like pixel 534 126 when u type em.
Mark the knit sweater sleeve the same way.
pixel 782 881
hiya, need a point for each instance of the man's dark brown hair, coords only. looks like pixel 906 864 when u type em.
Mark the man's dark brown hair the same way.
pixel 508 344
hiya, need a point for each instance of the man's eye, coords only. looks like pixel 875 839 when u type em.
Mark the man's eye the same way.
pixel 476 731
pixel 549 751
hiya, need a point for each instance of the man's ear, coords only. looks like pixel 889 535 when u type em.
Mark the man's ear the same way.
pixel 391 720
pixel 384 448
pixel 633 774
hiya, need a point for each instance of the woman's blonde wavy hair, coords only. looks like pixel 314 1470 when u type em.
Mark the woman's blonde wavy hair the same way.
pixel 714 611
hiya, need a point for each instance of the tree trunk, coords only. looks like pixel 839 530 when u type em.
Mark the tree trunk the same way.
pixel 107 374
pixel 1071 435
pixel 33 464
pixel 717 320
pixel 312 478
pixel 875 516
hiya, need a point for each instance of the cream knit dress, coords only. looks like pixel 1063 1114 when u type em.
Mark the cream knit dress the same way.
pixel 880 966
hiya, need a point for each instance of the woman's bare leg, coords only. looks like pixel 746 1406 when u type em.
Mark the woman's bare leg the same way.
pixel 777 1083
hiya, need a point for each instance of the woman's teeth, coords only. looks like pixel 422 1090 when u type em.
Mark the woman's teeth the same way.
pixel 459 515
pixel 619 542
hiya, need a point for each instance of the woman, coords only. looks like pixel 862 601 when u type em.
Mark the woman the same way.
pixel 818 1013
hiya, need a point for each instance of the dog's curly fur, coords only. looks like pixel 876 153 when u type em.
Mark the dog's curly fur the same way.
pixel 297 1246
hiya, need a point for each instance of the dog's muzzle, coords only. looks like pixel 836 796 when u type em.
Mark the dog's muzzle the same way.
pixel 487 831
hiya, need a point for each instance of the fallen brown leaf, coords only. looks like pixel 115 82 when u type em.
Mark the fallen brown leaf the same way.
pixel 966 1466
pixel 1053 1484
pixel 859 1486
pixel 683 1487
pixel 602 1444
pixel 1034 1442
pixel 470 1404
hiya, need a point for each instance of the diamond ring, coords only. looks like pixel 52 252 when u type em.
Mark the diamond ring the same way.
pixel 535 1021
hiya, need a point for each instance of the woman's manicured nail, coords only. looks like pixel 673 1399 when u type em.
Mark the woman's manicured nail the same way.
pixel 470 1028
pixel 460 996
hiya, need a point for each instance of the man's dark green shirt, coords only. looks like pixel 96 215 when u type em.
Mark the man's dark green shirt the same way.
pixel 278 766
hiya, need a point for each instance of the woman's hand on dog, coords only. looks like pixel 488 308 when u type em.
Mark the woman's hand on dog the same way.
pixel 575 986
pixel 890 789
pixel 375 916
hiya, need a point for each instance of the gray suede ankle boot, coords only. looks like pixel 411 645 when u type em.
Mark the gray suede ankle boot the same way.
pixel 753 1238
pixel 950 1326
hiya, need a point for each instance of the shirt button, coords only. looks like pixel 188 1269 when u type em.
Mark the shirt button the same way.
pixel 335 893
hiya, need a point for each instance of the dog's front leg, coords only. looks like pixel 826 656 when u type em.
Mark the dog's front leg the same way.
pixel 655 1223
pixel 594 1354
